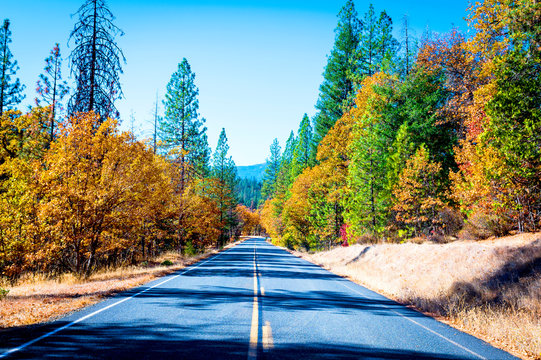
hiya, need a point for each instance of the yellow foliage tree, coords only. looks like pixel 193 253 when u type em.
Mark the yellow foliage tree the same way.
pixel 98 189
pixel 250 221
pixel 23 140
pixel 416 195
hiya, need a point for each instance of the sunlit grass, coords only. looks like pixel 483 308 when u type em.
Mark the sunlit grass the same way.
pixel 36 299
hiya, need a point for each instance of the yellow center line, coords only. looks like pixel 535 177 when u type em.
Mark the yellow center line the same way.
pixel 254 331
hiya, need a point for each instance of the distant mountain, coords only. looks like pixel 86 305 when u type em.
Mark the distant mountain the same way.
pixel 252 171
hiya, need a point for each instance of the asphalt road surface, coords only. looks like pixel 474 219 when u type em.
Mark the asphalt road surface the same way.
pixel 252 301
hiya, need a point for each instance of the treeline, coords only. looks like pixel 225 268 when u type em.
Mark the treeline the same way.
pixel 77 194
pixel 421 138
pixel 249 192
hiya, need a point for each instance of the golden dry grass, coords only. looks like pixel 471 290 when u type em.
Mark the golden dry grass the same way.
pixel 34 300
pixel 490 288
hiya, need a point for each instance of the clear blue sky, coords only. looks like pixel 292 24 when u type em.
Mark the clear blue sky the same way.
pixel 258 64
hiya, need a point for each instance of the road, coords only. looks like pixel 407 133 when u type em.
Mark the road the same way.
pixel 252 301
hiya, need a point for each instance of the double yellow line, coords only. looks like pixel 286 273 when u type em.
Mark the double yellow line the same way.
pixel 254 331
pixel 268 342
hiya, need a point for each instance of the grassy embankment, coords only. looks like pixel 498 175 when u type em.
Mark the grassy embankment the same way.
pixel 489 288
pixel 35 299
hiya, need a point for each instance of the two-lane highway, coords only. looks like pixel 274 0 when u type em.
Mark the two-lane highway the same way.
pixel 252 301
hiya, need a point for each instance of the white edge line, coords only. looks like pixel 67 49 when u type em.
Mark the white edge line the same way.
pixel 21 347
pixel 424 327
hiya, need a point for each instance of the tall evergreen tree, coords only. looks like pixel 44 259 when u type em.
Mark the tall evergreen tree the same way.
pixel 50 87
pixel 181 131
pixel 284 176
pixel 368 46
pixel 302 154
pixel 225 172
pixel 95 61
pixel 377 46
pixel 336 93
pixel 272 170
pixel 10 91
pixel 388 45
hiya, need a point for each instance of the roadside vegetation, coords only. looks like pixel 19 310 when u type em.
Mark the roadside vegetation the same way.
pixel 78 195
pixel 435 137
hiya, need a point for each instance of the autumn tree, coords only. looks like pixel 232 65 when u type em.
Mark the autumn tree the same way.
pixel 296 216
pixel 181 130
pixel 99 189
pixel 418 194
pixel 51 88
pixel 10 90
pixel 95 61
pixel 250 221
pixel 22 139
pixel 201 211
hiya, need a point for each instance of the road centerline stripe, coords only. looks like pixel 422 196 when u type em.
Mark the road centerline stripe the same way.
pixel 254 329
pixel 268 342
pixel 57 330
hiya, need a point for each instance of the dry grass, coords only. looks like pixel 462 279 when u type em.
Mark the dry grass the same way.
pixel 35 300
pixel 489 288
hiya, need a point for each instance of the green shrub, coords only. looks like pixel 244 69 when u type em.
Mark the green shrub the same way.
pixel 189 249
pixel 166 263
pixel 3 293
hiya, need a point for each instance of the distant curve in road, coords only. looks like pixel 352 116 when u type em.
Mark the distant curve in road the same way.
pixel 252 301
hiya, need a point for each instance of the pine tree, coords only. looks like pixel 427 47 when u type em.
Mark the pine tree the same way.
pixel 336 93
pixel 95 61
pixel 272 170
pixel 50 87
pixel 181 131
pixel 10 92
pixel 302 154
pixel 377 47
pixel 368 46
pixel 225 172
pixel 387 45
pixel 284 175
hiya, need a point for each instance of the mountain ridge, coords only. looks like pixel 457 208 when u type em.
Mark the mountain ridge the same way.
pixel 256 171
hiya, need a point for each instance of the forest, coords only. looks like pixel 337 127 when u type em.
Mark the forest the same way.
pixel 434 138
pixel 77 194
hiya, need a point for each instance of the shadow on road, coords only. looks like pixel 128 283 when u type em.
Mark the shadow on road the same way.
pixel 165 341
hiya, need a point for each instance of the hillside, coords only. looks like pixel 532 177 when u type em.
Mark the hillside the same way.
pixel 252 171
